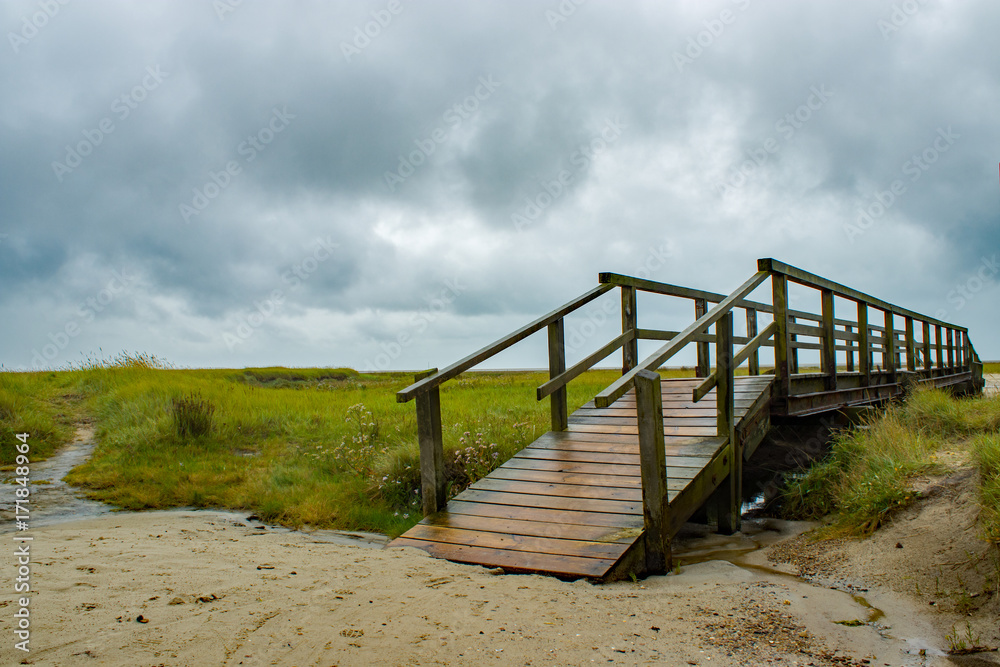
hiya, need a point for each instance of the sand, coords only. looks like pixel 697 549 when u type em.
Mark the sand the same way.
pixel 216 589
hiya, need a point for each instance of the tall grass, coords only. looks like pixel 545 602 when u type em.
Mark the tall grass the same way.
pixel 868 474
pixel 320 447
pixel 39 404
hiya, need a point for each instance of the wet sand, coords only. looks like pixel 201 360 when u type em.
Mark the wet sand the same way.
pixel 215 589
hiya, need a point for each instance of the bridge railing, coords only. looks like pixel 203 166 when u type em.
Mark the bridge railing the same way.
pixel 425 389
pixel 925 348
pixel 946 357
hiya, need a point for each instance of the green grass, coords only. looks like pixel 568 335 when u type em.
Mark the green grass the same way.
pixel 39 404
pixel 321 447
pixel 867 475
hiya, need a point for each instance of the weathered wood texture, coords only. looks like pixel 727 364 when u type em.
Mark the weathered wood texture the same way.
pixel 571 503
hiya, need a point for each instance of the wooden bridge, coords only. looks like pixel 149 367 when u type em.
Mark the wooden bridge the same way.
pixel 602 494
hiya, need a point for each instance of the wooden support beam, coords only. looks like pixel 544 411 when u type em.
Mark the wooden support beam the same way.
pixel 889 346
pixel 864 347
pixel 653 469
pixel 849 330
pixel 703 367
pixel 793 350
pixel 432 482
pixel 557 366
pixel 927 346
pixel 828 350
pixel 939 345
pixel 728 495
pixel 951 348
pixel 911 346
pixel 630 351
pixel 779 299
pixel 754 365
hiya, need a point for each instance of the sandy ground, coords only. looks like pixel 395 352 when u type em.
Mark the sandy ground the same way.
pixel 220 588
pixel 212 588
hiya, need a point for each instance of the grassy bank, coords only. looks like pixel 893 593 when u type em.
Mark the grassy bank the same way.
pixel 321 447
pixel 869 471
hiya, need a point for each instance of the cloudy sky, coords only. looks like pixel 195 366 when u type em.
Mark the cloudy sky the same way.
pixel 394 184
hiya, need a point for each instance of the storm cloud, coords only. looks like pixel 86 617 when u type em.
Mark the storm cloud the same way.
pixel 226 183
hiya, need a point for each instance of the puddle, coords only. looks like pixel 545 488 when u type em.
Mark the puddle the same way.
pixel 878 623
pixel 52 500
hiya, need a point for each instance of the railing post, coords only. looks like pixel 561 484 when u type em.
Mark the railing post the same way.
pixel 793 352
pixel 939 345
pixel 911 353
pixel 889 346
pixel 927 347
pixel 864 346
pixel 728 495
pixel 779 300
pixel 432 482
pixel 630 351
pixel 754 361
pixel 829 343
pixel 703 369
pixel 951 349
pixel 850 345
pixel 653 469
pixel 557 366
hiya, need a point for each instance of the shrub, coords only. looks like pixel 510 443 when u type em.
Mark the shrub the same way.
pixel 192 416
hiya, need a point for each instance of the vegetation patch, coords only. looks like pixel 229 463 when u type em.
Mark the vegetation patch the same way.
pixel 868 474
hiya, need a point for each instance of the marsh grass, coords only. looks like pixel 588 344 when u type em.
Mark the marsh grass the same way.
pixel 868 474
pixel 321 447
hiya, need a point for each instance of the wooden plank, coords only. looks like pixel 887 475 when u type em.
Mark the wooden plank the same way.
pixel 573 467
pixel 559 490
pixel 553 440
pixel 529 473
pixel 511 560
pixel 551 502
pixel 568 517
pixel 707 447
pixel 558 477
pixel 634 430
pixel 514 542
pixel 602 457
pixel 569 531
pixel 693 420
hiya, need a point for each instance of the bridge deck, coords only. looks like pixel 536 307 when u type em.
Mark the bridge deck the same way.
pixel 570 504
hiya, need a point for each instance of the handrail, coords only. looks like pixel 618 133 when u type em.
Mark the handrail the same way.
pixel 709 383
pixel 812 280
pixel 582 366
pixel 617 389
pixel 481 355
pixel 668 289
